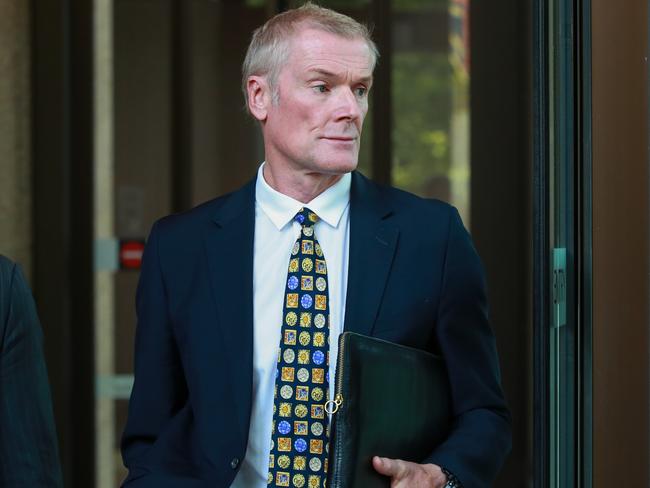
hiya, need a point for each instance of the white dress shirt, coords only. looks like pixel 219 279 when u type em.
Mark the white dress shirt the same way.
pixel 275 234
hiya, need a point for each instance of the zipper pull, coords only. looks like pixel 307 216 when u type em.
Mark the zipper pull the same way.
pixel 332 406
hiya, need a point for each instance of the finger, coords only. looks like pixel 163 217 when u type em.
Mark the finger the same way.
pixel 381 466
pixel 388 467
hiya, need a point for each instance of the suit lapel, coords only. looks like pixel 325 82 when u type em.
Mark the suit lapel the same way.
pixel 229 248
pixel 373 241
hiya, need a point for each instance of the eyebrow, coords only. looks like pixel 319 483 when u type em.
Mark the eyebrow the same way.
pixel 329 74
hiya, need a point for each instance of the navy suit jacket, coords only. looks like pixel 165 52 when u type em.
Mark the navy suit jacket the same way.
pixel 414 278
pixel 28 445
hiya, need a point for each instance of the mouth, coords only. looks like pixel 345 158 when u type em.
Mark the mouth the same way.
pixel 340 138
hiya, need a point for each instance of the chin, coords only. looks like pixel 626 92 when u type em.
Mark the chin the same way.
pixel 337 166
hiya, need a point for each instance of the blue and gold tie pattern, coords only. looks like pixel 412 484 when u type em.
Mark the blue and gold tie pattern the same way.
pixel 298 456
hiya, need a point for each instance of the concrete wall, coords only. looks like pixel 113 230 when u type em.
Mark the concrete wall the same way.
pixel 15 162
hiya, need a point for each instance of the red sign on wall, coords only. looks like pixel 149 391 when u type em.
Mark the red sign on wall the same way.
pixel 131 254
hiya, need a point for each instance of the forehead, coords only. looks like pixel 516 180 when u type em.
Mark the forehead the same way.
pixel 312 49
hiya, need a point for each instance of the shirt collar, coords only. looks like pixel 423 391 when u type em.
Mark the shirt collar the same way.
pixel 281 209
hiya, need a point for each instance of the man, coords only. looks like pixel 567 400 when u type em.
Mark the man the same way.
pixel 28 445
pixel 231 370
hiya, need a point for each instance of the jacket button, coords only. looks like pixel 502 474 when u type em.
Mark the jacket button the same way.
pixel 234 463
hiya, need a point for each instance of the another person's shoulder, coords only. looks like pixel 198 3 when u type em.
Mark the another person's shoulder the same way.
pixel 7 272
pixel 11 281
pixel 6 264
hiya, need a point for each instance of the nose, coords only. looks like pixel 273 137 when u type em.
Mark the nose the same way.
pixel 348 106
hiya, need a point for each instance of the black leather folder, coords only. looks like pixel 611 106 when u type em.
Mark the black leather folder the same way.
pixel 390 401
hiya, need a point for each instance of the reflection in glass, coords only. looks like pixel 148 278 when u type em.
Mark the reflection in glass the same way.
pixel 430 99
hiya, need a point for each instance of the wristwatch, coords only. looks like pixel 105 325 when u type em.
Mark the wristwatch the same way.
pixel 452 481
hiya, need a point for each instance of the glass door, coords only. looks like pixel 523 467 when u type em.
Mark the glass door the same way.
pixel 563 245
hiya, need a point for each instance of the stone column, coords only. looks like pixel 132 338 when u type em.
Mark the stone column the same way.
pixel 15 158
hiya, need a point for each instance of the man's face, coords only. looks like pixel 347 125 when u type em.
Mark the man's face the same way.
pixel 315 126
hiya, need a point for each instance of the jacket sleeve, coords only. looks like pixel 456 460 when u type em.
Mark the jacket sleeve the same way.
pixel 159 389
pixel 480 438
pixel 28 443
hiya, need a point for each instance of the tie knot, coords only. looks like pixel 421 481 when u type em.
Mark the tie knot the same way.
pixel 306 217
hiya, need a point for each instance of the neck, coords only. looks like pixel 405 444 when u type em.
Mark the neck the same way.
pixel 301 186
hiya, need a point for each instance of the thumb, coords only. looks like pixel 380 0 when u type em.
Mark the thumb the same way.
pixel 386 466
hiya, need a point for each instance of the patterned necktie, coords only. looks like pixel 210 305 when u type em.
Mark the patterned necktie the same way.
pixel 299 447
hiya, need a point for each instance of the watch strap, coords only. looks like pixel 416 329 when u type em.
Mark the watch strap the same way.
pixel 452 481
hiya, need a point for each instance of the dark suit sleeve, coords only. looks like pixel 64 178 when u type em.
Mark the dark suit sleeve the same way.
pixel 159 389
pixel 481 434
pixel 28 444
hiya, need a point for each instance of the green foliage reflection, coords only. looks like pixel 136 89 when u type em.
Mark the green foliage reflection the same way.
pixel 421 93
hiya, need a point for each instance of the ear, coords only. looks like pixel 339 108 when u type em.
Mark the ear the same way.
pixel 259 97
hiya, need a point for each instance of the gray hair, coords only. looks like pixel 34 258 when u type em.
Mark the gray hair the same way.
pixel 269 47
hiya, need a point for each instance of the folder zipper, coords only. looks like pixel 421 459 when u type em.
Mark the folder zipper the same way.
pixel 332 406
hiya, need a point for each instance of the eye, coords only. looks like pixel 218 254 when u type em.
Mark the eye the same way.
pixel 361 91
pixel 321 88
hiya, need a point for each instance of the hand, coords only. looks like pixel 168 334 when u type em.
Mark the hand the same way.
pixel 404 474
